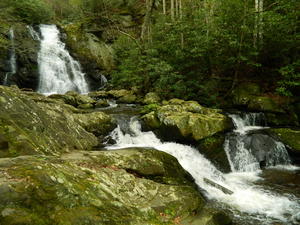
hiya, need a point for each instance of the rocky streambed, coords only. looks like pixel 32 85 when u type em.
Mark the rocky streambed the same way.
pixel 55 170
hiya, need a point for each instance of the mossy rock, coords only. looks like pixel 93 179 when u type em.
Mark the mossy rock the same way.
pixel 97 123
pixel 151 98
pixel 289 137
pixel 111 187
pixel 212 148
pixel 186 121
pixel 34 124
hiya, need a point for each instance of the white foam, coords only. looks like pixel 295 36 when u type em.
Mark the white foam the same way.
pixel 247 197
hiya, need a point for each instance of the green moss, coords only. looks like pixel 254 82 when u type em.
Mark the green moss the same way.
pixel 96 188
pixel 212 148
pixel 288 136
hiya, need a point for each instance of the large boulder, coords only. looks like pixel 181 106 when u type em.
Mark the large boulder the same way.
pixel 34 124
pixel 186 120
pixel 131 186
pixel 98 123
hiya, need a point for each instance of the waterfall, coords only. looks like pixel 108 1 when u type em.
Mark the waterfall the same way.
pixel 35 36
pixel 247 197
pixel 59 72
pixel 103 80
pixel 12 58
pixel 248 151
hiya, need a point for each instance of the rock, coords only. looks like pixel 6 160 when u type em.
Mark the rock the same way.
pixel 250 97
pixel 97 123
pixel 122 96
pixel 84 99
pixel 264 104
pixel 38 125
pixel 151 98
pixel 75 99
pixel 96 95
pixel 209 216
pixel 85 106
pixel 131 186
pixel 291 138
pixel 67 99
pixel 288 136
pixel 127 99
pixel 93 53
pixel 186 120
pixel 26 51
pixel 101 103
pixel 212 148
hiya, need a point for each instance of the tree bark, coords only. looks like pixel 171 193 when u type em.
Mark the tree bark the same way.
pixel 172 10
pixel 164 7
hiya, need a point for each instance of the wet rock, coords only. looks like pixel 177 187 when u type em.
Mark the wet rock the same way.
pixel 212 148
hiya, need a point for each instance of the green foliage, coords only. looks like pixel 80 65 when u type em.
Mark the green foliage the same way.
pixel 32 11
pixel 180 56
pixel 290 79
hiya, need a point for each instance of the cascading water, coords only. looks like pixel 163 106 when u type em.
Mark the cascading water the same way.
pixel 12 58
pixel 59 72
pixel 247 151
pixel 259 205
pixel 35 36
pixel 103 80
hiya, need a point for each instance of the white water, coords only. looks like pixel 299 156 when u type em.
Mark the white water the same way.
pixel 248 198
pixel 12 58
pixel 35 36
pixel 242 159
pixel 59 72
pixel 103 80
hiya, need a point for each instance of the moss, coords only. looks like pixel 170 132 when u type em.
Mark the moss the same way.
pixel 149 108
pixel 32 127
pixel 288 136
pixel 212 148
pixel 95 188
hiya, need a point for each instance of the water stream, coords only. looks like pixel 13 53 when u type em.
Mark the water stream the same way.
pixel 12 58
pixel 248 150
pixel 59 72
pixel 253 201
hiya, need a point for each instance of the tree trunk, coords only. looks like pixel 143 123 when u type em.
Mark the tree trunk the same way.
pixel 172 10
pixel 260 22
pixel 147 19
pixel 164 7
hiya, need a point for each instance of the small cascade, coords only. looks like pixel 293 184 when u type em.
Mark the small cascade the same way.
pixel 258 205
pixel 103 80
pixel 248 150
pixel 35 35
pixel 59 72
pixel 12 58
